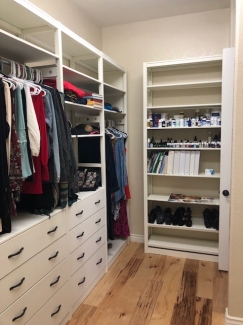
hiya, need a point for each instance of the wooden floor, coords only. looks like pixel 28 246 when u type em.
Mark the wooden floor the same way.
pixel 148 289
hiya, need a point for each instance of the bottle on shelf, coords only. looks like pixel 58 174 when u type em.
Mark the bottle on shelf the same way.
pixel 209 137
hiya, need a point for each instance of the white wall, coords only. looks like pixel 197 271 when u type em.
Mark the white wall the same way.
pixel 70 15
pixel 187 36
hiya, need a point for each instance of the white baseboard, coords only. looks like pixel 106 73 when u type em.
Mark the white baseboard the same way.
pixel 232 320
pixel 136 238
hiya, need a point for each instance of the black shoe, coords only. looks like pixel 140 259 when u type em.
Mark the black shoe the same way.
pixel 177 217
pixel 182 218
pixel 152 216
pixel 188 217
pixel 159 215
pixel 216 219
pixel 168 216
pixel 208 218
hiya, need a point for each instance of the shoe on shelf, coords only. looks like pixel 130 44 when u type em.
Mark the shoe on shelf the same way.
pixel 177 217
pixel 168 216
pixel 208 218
pixel 152 216
pixel 182 218
pixel 216 219
pixel 188 222
pixel 159 215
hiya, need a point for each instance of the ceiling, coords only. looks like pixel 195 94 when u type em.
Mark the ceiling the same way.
pixel 116 12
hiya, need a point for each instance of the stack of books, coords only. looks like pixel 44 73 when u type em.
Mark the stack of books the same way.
pixel 174 162
pixel 95 100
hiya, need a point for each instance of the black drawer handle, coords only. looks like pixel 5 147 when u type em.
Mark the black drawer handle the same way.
pixel 50 258
pixel 21 315
pixel 82 281
pixel 15 254
pixel 97 202
pixel 57 280
pixel 17 285
pixel 98 221
pixel 56 312
pixel 53 230
pixel 81 212
pixel 81 235
pixel 98 240
pixel 79 258
pixel 100 261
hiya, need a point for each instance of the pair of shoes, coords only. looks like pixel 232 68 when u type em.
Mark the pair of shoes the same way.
pixel 188 222
pixel 211 218
pixel 160 217
pixel 152 216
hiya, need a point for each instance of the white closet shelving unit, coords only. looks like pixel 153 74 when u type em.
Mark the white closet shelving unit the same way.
pixel 29 36
pixel 186 85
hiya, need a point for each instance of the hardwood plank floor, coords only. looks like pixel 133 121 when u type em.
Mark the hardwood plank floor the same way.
pixel 149 289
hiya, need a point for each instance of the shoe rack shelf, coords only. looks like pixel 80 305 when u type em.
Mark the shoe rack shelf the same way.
pixel 188 85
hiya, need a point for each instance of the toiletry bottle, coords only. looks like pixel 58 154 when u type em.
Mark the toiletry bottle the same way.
pixel 148 143
pixel 209 137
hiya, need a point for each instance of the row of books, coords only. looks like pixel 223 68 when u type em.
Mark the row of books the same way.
pixel 174 162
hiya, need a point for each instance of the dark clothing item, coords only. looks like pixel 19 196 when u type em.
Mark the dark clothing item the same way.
pixel 121 227
pixel 89 150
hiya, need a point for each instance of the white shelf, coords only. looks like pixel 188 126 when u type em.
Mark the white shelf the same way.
pixel 112 91
pixel 167 148
pixel 82 109
pixel 200 175
pixel 205 84
pixel 118 246
pixel 185 107
pixel 165 198
pixel 184 244
pixel 186 127
pixel 87 136
pixel 197 225
pixel 79 79
pixel 19 50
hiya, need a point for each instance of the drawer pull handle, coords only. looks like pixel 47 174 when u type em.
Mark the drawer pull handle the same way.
pixel 82 281
pixel 97 202
pixel 98 221
pixel 100 261
pixel 81 235
pixel 81 212
pixel 53 230
pixel 17 285
pixel 98 240
pixel 15 254
pixel 56 312
pixel 50 258
pixel 21 315
pixel 79 258
pixel 58 278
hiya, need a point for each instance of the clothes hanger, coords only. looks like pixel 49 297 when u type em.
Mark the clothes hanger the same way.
pixel 109 133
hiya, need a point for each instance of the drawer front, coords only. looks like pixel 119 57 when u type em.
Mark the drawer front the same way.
pixel 19 249
pixel 25 307
pixel 84 208
pixel 83 231
pixel 16 283
pixel 85 251
pixel 83 278
pixel 54 311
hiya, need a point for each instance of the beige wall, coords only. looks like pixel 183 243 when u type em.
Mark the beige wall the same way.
pixel 171 38
pixel 70 15
pixel 235 297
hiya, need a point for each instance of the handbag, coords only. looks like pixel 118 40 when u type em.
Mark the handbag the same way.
pixel 88 179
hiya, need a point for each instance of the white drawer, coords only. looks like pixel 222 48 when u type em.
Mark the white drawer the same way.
pixel 83 231
pixel 25 307
pixel 19 249
pixel 16 283
pixel 83 278
pixel 54 311
pixel 85 251
pixel 84 208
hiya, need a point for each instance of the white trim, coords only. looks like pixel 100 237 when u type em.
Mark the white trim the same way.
pixel 229 320
pixel 136 238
